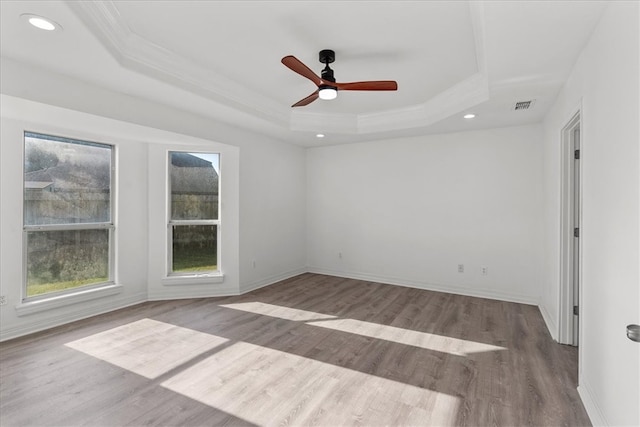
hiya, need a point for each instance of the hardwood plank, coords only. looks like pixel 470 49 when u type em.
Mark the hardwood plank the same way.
pixel 312 350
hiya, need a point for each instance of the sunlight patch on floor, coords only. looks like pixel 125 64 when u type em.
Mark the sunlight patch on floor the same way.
pixel 441 343
pixel 271 387
pixel 147 347
pixel 263 385
pixel 444 344
pixel 278 311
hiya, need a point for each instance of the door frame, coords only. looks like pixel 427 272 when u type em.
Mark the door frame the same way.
pixel 569 202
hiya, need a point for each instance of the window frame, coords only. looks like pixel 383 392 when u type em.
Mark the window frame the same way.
pixel 171 223
pixel 110 225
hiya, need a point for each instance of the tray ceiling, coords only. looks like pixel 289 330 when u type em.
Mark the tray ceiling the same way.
pixel 222 58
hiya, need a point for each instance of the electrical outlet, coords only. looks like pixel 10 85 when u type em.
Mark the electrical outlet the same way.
pixel 460 268
pixel 253 263
pixel 340 255
pixel 3 300
pixel 485 271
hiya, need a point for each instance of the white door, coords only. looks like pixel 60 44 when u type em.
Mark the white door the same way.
pixel 576 234
pixel 570 234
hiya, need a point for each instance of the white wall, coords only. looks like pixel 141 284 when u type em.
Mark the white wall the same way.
pixel 272 214
pixel 605 83
pixel 408 211
pixel 267 210
pixel 131 215
pixel 159 287
pixel 272 173
pixel 400 211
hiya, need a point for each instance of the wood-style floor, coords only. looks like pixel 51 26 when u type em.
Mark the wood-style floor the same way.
pixel 309 351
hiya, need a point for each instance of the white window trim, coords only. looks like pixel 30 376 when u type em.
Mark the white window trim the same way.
pixel 194 279
pixel 86 292
pixel 191 278
pixel 56 301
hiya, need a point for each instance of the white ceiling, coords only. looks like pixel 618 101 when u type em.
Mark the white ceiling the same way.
pixel 221 59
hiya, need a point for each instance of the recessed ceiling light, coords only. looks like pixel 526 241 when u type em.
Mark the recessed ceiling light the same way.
pixel 469 116
pixel 41 22
pixel 320 135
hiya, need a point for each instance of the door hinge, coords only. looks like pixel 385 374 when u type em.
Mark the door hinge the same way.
pixel 576 154
pixel 575 310
pixel 576 232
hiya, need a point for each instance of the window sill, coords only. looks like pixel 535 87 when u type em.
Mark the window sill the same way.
pixel 40 305
pixel 194 279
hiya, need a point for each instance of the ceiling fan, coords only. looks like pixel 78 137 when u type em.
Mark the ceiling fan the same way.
pixel 327 86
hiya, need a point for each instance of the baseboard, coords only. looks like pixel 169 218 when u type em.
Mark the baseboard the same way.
pixel 166 293
pixel 551 325
pixel 172 292
pixel 181 292
pixel 428 286
pixel 270 280
pixel 47 322
pixel 591 405
pixel 178 292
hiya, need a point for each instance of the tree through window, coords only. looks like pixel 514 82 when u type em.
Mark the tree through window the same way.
pixel 68 221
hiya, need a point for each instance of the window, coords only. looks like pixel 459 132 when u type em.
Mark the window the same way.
pixel 68 225
pixel 194 219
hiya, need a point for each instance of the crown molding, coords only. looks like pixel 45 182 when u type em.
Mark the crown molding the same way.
pixel 139 54
pixel 476 11
pixel 466 94
pixel 462 96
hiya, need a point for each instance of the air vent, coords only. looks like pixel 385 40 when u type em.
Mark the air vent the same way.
pixel 524 105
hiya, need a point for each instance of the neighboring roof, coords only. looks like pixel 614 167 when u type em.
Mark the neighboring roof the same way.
pixel 37 185
pixel 188 160
pixel 41 175
pixel 71 176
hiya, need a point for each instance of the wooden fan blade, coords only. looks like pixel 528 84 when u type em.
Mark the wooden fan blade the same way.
pixel 306 101
pixel 372 85
pixel 296 65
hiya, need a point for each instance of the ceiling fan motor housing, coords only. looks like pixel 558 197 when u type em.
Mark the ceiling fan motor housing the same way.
pixel 327 56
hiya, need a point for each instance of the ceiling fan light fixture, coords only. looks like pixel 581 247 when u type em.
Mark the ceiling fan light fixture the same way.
pixel 327 86
pixel 328 93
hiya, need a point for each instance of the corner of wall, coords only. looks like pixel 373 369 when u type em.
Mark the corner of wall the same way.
pixel 266 281
pixel 549 321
